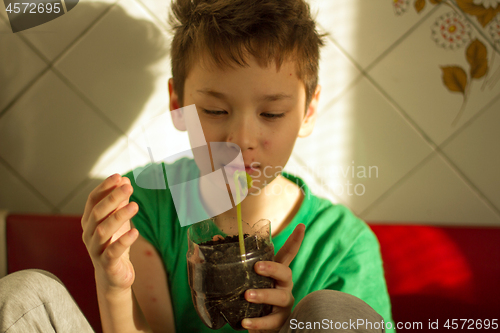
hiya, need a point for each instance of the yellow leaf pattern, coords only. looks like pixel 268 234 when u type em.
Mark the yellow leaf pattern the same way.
pixel 419 5
pixel 477 59
pixel 455 78
pixel 453 30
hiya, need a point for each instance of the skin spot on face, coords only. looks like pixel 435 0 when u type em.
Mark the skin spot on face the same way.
pixel 154 299
pixel 148 253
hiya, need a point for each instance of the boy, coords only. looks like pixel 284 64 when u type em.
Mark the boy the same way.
pixel 250 67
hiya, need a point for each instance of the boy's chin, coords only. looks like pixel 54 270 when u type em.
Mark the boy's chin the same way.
pixel 259 184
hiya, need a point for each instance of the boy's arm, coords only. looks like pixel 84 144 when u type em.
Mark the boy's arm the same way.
pixel 108 236
pixel 120 312
pixel 151 286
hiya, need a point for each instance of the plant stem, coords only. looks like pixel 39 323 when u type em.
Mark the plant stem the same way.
pixel 464 103
pixel 238 214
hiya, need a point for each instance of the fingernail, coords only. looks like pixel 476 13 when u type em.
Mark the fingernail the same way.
pixel 261 266
pixel 252 294
pixel 247 323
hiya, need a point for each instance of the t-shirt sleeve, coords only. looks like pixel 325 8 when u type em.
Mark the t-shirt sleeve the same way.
pixel 361 273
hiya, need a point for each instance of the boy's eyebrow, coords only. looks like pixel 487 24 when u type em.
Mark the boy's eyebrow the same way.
pixel 266 98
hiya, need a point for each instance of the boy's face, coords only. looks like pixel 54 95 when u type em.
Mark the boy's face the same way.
pixel 259 109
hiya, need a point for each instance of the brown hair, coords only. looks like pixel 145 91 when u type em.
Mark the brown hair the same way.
pixel 227 30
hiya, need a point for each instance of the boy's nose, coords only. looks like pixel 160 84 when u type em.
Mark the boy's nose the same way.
pixel 243 131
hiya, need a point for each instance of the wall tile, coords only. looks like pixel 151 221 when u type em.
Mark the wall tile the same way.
pixel 360 131
pixel 115 159
pixel 365 28
pixel 54 138
pixel 20 65
pixel 433 194
pixel 3 12
pixel 76 205
pixel 411 74
pixel 118 159
pixel 54 37
pixel 336 73
pixel 113 65
pixel 160 10
pixel 17 198
pixel 476 152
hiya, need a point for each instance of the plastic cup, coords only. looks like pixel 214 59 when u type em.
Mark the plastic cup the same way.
pixel 218 274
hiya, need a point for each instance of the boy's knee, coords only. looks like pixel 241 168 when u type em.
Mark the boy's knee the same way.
pixel 28 285
pixel 334 307
pixel 332 298
pixel 41 274
pixel 37 301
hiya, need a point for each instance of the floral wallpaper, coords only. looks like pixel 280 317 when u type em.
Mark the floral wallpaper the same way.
pixel 472 27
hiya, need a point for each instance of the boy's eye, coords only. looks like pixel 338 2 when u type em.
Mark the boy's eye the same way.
pixel 214 112
pixel 266 115
pixel 273 115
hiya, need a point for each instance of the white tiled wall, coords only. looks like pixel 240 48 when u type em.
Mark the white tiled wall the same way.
pixel 72 89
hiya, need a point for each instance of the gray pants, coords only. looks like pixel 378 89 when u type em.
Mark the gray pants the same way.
pixel 36 301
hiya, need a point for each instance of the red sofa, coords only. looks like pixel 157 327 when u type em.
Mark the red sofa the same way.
pixel 433 273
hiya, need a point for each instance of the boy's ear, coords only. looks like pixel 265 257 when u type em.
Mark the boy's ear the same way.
pixel 175 112
pixel 310 117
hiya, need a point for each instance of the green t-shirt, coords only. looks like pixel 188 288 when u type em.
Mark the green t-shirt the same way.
pixel 339 251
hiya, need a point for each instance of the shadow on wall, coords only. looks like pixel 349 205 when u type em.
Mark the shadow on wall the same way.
pixel 54 132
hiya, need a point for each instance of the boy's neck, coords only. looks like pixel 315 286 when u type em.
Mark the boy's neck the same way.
pixel 278 202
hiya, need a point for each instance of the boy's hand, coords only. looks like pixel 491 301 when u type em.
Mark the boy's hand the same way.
pixel 107 233
pixel 281 296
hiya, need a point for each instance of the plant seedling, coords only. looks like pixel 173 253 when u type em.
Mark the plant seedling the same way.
pixel 239 176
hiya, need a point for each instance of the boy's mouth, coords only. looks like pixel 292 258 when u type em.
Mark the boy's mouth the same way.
pixel 250 169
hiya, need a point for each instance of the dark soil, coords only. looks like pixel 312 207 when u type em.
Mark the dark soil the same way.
pixel 218 284
pixel 227 240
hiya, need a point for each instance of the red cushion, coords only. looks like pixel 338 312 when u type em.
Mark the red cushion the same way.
pixel 54 244
pixel 441 272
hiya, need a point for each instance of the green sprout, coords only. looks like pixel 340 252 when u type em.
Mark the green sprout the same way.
pixel 239 176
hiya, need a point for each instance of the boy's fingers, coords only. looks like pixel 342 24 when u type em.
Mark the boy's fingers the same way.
pixel 118 248
pixel 273 321
pixel 91 226
pixel 104 209
pixel 110 203
pixel 98 193
pixel 277 297
pixel 291 247
pixel 101 192
pixel 281 273
pixel 105 230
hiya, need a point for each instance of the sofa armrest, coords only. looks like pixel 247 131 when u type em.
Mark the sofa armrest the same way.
pixel 3 244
